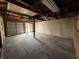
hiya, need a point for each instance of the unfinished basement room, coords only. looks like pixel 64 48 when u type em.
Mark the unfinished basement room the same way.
pixel 39 29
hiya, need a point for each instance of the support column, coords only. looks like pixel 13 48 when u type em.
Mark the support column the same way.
pixel 76 39
pixel 34 28
pixel 2 34
pixel 24 27
pixel 27 29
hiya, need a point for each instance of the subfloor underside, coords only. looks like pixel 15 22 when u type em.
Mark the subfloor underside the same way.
pixel 42 47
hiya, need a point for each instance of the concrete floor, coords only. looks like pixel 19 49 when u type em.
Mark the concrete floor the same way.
pixel 42 47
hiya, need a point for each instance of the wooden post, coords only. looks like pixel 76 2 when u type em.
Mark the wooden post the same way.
pixel 0 41
pixel 34 28
pixel 24 27
pixel 5 26
pixel 27 29
pixel 76 39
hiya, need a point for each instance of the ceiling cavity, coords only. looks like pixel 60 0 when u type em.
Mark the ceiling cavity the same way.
pixel 42 9
pixel 19 9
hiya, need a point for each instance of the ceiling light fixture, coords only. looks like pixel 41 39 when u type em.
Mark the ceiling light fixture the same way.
pixel 51 5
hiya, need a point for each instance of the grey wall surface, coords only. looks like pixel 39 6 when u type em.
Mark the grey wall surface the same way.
pixel 14 28
pixel 19 27
pixel 59 27
pixel 11 28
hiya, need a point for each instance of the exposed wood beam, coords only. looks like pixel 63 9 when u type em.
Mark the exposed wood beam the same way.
pixel 14 20
pixel 17 13
pixel 11 15
pixel 23 15
pixel 3 3
pixel 3 7
pixel 17 16
pixel 26 6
